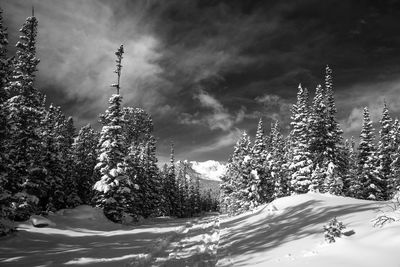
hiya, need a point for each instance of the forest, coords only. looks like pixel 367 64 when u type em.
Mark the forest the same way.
pixel 46 164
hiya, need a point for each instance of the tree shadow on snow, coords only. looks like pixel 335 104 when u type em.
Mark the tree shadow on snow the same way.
pixel 276 229
pixel 111 247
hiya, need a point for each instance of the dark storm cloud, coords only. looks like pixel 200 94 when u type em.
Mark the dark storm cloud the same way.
pixel 208 69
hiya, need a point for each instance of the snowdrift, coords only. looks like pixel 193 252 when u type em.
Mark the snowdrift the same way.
pixel 289 232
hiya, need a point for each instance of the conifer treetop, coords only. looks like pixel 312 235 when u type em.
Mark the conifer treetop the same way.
pixel 118 69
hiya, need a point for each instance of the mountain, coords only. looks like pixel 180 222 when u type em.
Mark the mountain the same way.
pixel 208 172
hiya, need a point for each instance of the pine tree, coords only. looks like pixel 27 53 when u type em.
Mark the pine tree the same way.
pixel 170 186
pixel 84 151
pixel 5 209
pixel 385 150
pixel 24 111
pixel 352 184
pixel 333 183
pixel 5 62
pixel 394 179
pixel 258 148
pixel 334 132
pixel 113 191
pixel 149 185
pixel 367 172
pixel 301 165
pixel 277 163
pixel 318 129
pixel 232 184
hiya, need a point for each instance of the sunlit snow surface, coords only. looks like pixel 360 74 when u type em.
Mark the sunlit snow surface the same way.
pixel 287 232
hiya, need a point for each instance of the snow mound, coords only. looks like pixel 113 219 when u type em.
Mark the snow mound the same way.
pixel 40 221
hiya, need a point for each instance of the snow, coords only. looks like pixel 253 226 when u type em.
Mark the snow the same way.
pixel 287 232
pixel 84 237
pixel 210 169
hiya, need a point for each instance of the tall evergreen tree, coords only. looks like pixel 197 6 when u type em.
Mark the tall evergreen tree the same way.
pixel 5 208
pixel 385 150
pixel 170 186
pixel 277 163
pixel 318 128
pixel 301 165
pixel 113 189
pixel 394 179
pixel 367 171
pixel 232 182
pixel 334 132
pixel 352 184
pixel 24 111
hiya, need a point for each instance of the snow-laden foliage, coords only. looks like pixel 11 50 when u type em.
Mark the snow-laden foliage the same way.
pixel 301 165
pixel 333 230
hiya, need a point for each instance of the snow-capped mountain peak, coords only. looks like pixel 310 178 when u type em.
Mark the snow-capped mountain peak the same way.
pixel 209 170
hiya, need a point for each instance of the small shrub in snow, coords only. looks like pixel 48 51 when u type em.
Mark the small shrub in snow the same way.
pixel 392 215
pixel 333 230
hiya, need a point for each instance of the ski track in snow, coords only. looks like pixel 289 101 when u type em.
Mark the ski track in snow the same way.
pixel 195 246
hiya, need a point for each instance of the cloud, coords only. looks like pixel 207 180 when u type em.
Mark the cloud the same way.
pixel 371 95
pixel 76 43
pixel 220 142
pixel 275 107
pixel 217 117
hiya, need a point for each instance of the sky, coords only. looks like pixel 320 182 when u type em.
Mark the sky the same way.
pixel 206 70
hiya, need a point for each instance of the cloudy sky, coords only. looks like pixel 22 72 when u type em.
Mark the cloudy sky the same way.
pixel 208 69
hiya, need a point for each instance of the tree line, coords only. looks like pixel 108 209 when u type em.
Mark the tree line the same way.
pixel 313 157
pixel 47 165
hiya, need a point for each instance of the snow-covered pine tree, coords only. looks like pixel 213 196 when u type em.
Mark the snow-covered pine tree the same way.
pixel 151 186
pixel 5 208
pixel 257 151
pixel 84 157
pixel 277 162
pixel 367 171
pixel 24 111
pixel 385 150
pixel 232 182
pixel 394 180
pixel 318 129
pixel 351 183
pixel 5 62
pixel 54 159
pixel 113 190
pixel 333 183
pixel 258 157
pixel 334 132
pixel 248 190
pixel 301 165
pixel 170 186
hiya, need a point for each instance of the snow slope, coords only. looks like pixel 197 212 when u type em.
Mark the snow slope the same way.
pixel 289 232
pixel 84 237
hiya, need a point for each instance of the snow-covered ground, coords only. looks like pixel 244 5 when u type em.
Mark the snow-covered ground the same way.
pixel 287 232
pixel 84 237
